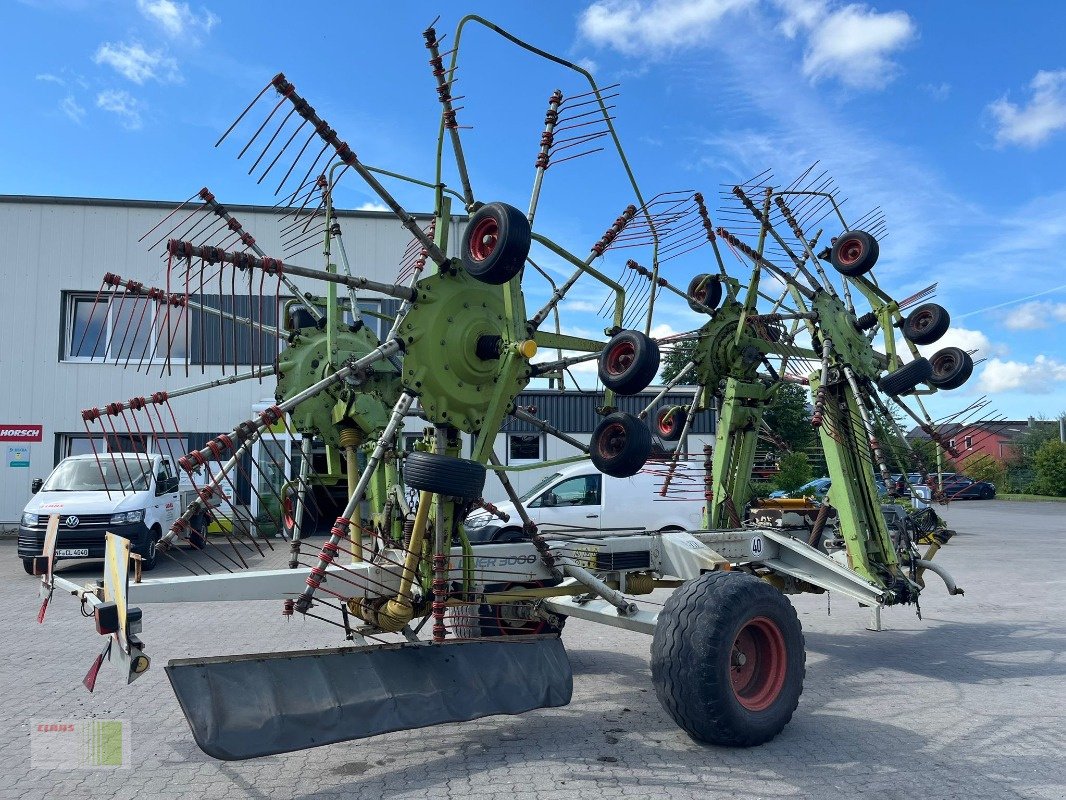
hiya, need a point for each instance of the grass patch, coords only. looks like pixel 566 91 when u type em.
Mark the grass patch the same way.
pixel 1031 498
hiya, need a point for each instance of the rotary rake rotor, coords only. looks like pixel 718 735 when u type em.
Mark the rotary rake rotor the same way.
pixel 462 338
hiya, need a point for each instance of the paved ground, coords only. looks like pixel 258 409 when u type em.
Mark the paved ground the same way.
pixel 968 703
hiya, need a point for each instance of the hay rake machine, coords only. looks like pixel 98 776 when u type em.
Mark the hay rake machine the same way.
pixel 727 650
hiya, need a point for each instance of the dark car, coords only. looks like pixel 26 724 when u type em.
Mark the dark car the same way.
pixel 959 487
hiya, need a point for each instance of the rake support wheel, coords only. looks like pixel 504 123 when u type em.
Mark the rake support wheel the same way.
pixel 621 445
pixel 727 659
pixel 446 475
pixel 496 243
pixel 952 367
pixel 669 425
pixel 906 378
pixel 926 324
pixel 628 362
pixel 854 253
pixel 705 292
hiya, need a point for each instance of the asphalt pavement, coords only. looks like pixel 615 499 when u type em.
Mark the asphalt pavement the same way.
pixel 968 702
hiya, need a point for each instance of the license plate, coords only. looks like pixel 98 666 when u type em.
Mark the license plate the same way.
pixel 73 552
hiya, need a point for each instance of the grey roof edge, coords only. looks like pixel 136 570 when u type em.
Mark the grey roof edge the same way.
pixel 172 204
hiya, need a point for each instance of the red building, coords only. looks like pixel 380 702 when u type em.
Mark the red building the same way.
pixel 996 439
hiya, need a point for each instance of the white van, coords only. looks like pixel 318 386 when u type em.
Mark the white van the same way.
pixel 579 497
pixel 135 495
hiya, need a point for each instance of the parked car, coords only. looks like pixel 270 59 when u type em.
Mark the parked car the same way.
pixel 959 487
pixel 134 495
pixel 819 488
pixel 579 497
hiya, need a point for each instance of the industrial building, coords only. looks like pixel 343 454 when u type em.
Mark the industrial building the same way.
pixel 56 253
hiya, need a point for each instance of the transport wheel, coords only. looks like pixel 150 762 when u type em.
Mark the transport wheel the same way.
pixel 705 292
pixel 629 362
pixel 727 659
pixel 952 367
pixel 926 324
pixel 27 564
pixel 668 425
pixel 854 253
pixel 446 475
pixel 496 243
pixel 150 556
pixel 620 445
pixel 906 378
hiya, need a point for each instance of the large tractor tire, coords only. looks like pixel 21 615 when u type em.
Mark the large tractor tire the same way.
pixel 728 658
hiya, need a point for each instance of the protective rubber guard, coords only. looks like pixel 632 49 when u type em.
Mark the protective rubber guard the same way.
pixel 259 704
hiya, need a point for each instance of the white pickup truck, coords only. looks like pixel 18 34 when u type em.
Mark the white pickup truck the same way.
pixel 579 497
pixel 135 495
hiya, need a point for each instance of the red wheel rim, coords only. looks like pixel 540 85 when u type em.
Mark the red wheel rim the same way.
pixel 758 663
pixel 944 365
pixel 666 425
pixel 290 513
pixel 483 238
pixel 922 320
pixel 620 358
pixel 850 251
pixel 612 441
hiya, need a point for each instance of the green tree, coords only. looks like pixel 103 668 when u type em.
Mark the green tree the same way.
pixel 790 417
pixel 794 471
pixel 1049 465
pixel 985 468
pixel 675 359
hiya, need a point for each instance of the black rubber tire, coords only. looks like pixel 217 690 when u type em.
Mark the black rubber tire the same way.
pixel 693 666
pixel 620 445
pixel 926 324
pixel 670 430
pixel 704 292
pixel 150 556
pixel 952 367
pixel 628 362
pixel 988 493
pixel 446 475
pixel 27 564
pixel 854 253
pixel 906 378
pixel 495 243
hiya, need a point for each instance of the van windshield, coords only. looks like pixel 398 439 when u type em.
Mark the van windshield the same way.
pixel 113 473
pixel 533 492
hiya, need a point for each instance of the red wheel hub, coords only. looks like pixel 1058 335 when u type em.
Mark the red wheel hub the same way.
pixel 944 364
pixel 483 238
pixel 850 251
pixel 758 664
pixel 613 440
pixel 666 422
pixel 289 513
pixel 922 320
pixel 620 358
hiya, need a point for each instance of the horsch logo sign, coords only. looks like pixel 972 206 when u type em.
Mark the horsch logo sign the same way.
pixel 21 433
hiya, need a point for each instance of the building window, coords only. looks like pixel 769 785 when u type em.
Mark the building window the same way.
pixel 969 442
pixel 524 447
pixel 211 330
pixel 951 443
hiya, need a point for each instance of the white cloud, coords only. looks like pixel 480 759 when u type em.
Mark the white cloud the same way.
pixel 69 106
pixel 137 64
pixel 968 340
pixel 654 27
pixel 47 77
pixel 1034 316
pixel 853 44
pixel 1031 125
pixel 124 105
pixel 370 206
pixel 177 19
pixel 938 91
pixel 1038 377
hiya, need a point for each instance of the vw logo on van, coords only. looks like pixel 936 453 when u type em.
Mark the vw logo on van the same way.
pixel 72 521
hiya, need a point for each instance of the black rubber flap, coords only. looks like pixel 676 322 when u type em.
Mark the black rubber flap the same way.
pixel 257 705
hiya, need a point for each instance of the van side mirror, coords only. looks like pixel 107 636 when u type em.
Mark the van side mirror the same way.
pixel 36 484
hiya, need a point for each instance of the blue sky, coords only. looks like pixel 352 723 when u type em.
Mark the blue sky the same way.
pixel 951 116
